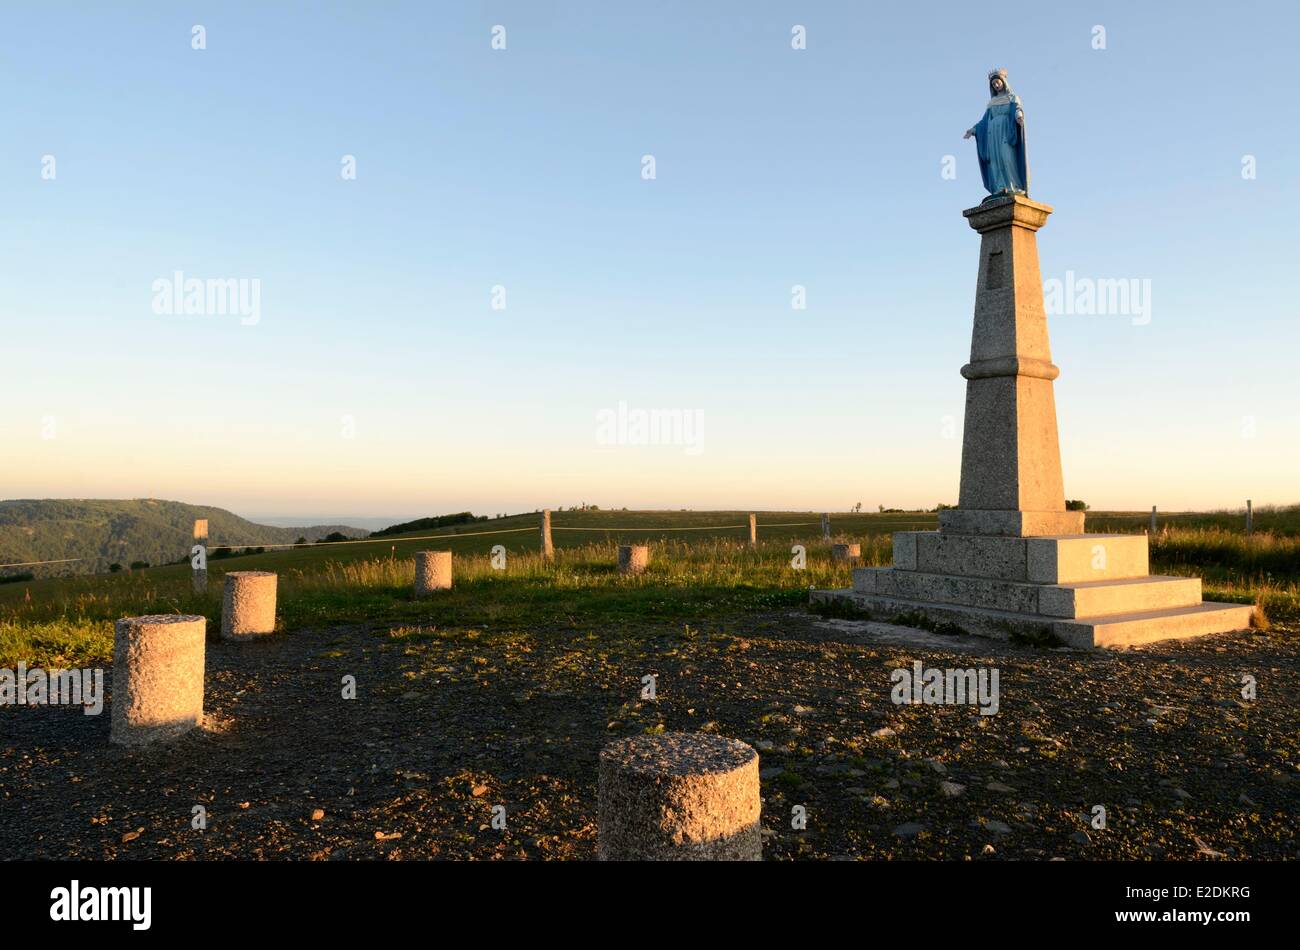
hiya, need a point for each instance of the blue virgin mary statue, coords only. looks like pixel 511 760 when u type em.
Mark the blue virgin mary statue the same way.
pixel 1000 141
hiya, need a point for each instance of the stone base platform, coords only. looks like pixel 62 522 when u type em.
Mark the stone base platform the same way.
pixel 1085 589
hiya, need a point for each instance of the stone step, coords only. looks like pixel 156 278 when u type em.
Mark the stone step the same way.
pixel 1056 559
pixel 1114 630
pixel 924 587
pixel 1087 599
pixel 1152 625
pixel 1125 596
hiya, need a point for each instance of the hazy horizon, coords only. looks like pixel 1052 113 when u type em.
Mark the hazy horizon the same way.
pixel 376 522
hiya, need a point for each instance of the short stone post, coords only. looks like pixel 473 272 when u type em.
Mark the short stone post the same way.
pixel 753 531
pixel 248 605
pixel 633 558
pixel 199 558
pixel 548 549
pixel 432 572
pixel 826 527
pixel 845 553
pixel 157 677
pixel 1250 517
pixel 1153 520
pixel 678 797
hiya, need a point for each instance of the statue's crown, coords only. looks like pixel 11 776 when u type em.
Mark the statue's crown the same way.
pixel 997 72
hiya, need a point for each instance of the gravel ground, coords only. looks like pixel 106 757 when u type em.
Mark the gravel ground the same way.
pixel 451 727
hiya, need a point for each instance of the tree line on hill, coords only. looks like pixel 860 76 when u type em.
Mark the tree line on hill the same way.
pixel 91 535
pixel 426 524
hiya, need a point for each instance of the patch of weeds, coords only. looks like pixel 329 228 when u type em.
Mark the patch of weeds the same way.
pixel 919 621
pixel 1039 637
pixel 839 609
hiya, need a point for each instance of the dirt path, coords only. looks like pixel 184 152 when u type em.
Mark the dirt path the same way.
pixel 448 725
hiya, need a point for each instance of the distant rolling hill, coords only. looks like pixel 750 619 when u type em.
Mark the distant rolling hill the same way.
pixel 102 532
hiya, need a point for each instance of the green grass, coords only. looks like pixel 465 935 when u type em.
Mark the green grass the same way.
pixel 695 575
pixel 1263 555
pixel 56 644
pixel 1283 520
pixel 518 534
pixel 580 589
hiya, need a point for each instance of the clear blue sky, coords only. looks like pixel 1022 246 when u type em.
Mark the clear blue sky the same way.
pixel 522 168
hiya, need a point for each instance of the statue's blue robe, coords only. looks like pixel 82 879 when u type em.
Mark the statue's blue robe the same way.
pixel 1000 144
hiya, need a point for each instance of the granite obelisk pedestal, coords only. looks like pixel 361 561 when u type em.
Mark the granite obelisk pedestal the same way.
pixel 1010 457
pixel 1009 559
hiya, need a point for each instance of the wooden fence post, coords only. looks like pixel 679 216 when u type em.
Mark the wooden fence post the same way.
pixel 548 549
pixel 753 531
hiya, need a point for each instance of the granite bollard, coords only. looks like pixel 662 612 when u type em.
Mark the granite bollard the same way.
pixel 845 553
pixel 157 677
pixel 633 558
pixel 678 797
pixel 248 605
pixel 432 572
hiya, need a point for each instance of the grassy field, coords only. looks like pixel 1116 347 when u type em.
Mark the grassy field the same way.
pixel 698 571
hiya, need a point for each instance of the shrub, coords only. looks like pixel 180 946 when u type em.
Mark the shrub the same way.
pixel 424 524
